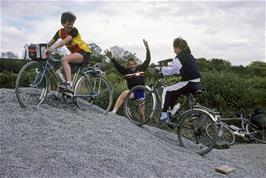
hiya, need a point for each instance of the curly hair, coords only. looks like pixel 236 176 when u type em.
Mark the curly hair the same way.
pixel 67 17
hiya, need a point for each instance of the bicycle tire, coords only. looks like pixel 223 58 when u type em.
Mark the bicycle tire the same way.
pixel 21 84
pixel 132 106
pixel 191 143
pixel 224 133
pixel 258 134
pixel 89 91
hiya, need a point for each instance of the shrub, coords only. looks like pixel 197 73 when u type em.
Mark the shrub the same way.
pixel 11 65
pixel 7 80
pixel 226 92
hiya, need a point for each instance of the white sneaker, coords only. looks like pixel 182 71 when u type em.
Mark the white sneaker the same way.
pixel 175 109
pixel 112 113
pixel 66 87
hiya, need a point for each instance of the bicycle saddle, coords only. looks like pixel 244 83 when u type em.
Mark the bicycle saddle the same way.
pixel 238 114
pixel 198 92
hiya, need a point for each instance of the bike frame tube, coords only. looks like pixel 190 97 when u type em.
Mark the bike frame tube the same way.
pixel 86 77
pixel 197 109
pixel 154 89
pixel 157 94
pixel 189 97
pixel 36 79
pixel 42 75
pixel 50 68
pixel 75 78
pixel 207 109
pixel 154 101
pixel 245 121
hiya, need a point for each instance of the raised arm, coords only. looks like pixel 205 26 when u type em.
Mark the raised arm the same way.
pixel 146 63
pixel 122 70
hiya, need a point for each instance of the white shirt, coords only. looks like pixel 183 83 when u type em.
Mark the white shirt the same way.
pixel 172 69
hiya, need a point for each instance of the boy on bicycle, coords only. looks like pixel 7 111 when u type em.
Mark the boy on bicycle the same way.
pixel 134 75
pixel 70 37
pixel 185 65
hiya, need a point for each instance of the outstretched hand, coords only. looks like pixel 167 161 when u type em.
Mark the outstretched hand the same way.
pixel 146 44
pixel 158 69
pixel 108 53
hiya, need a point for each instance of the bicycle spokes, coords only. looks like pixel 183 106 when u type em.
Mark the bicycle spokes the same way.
pixel 93 91
pixel 192 132
pixel 256 133
pixel 139 105
pixel 31 84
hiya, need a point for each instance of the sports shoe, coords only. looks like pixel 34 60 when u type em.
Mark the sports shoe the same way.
pixel 66 87
pixel 164 119
pixel 111 113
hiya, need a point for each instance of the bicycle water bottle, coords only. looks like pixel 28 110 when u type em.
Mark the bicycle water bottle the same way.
pixel 239 134
pixel 61 76
pixel 234 128
pixel 175 109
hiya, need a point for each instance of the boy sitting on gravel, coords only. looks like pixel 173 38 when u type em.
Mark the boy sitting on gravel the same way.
pixel 134 75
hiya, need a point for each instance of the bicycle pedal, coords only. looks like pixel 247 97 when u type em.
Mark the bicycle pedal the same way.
pixel 68 95
pixel 171 125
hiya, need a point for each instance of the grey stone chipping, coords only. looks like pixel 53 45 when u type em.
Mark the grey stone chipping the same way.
pixel 60 140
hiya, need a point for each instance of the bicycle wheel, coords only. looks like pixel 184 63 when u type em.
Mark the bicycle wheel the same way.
pixel 93 90
pixel 31 84
pixel 224 133
pixel 139 105
pixel 256 133
pixel 191 131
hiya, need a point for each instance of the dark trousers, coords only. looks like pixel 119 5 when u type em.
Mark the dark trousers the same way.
pixel 171 93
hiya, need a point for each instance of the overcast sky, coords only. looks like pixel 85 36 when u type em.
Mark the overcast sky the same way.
pixel 231 30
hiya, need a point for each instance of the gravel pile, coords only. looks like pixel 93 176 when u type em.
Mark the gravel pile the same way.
pixel 59 140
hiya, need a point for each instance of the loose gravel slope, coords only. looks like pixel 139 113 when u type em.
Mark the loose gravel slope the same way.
pixel 59 140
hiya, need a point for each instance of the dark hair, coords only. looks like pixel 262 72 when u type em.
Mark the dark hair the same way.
pixel 131 60
pixel 67 16
pixel 181 43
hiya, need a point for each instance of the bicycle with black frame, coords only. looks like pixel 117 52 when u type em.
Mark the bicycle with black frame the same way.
pixel 34 82
pixel 190 124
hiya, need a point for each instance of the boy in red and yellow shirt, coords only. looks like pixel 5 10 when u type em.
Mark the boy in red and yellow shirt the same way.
pixel 70 37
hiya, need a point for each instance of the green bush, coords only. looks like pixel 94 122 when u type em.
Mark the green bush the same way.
pixel 11 65
pixel 9 69
pixel 7 80
pixel 226 92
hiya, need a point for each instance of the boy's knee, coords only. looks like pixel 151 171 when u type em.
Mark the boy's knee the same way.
pixel 64 60
pixel 124 93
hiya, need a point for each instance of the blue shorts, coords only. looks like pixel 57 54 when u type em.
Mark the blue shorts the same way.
pixel 138 94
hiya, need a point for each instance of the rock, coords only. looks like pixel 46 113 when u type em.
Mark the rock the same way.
pixel 224 169
pixel 222 145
